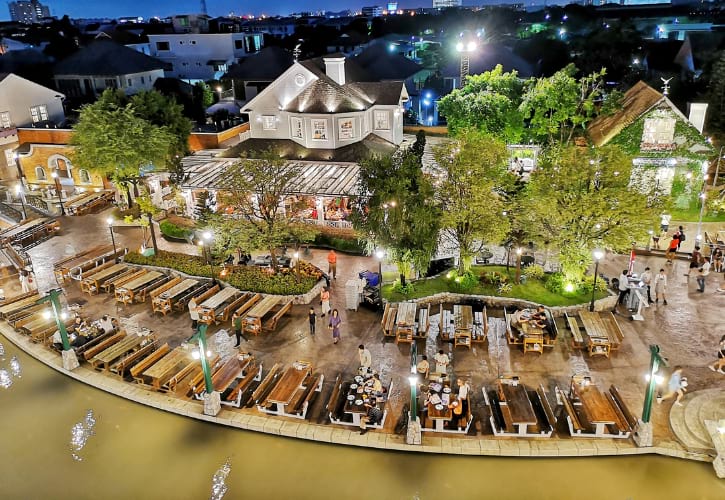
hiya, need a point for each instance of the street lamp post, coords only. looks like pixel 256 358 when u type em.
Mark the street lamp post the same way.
pixel 414 431
pixel 206 245
pixel 58 190
pixel 21 195
pixel 698 238
pixel 519 251
pixel 109 221
pixel 297 265
pixel 212 398
pixel 380 254
pixel 598 254
pixel 643 432
pixel 70 360
pixel 465 49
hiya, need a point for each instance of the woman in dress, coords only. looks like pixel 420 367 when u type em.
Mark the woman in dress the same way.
pixel 335 326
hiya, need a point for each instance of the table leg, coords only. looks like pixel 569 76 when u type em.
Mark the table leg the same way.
pixel 599 428
pixel 438 425
pixel 522 429
pixel 356 419
pixel 279 408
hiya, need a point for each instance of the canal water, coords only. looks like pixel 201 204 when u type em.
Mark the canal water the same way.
pixel 142 453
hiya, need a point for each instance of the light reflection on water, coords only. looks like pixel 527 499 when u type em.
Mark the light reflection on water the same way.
pixel 140 453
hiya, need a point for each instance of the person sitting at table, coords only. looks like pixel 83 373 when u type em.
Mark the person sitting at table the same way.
pixel 375 384
pixel 57 340
pixel 82 338
pixel 106 324
pixel 518 319
pixel 423 367
pixel 463 390
pixel 442 361
pixel 539 320
pixel 373 416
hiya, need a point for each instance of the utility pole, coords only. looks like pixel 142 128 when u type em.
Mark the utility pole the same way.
pixel 70 360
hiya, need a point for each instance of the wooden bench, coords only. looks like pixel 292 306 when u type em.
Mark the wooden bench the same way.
pixel 122 279
pixel 304 396
pixel 271 325
pixel 480 327
pixel 247 305
pixel 575 425
pixel 197 384
pixel 127 362
pixel 252 372
pixel 333 405
pixel 138 369
pixel 421 330
pixel 614 332
pixel 89 353
pixel 166 286
pixel 174 381
pixel 546 405
pixel 620 426
pixel 446 327
pixel 577 341
pixel 266 386
pixel 619 402
pixel 388 321
pixel 160 282
pixel 511 338
pixel 93 342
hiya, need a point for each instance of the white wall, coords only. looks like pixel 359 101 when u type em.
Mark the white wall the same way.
pixel 18 95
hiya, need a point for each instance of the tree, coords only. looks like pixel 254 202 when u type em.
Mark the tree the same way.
pixel 148 209
pixel 164 111
pixel 113 141
pixel 716 94
pixel 488 102
pixel 558 106
pixel 472 179
pixel 580 199
pixel 254 189
pixel 202 212
pixel 397 209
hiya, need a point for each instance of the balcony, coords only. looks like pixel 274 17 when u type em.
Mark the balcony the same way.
pixel 8 131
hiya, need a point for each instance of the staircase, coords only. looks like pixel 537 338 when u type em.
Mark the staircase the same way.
pixel 10 213
pixel 688 421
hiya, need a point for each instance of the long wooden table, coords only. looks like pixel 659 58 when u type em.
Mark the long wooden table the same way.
pixel 163 368
pixel 519 405
pixel 164 301
pixel 596 407
pixel 599 343
pixel 19 305
pixel 126 292
pixel 106 357
pixel 286 387
pixel 405 322
pixel 533 338
pixel 208 308
pixel 252 322
pixel 91 283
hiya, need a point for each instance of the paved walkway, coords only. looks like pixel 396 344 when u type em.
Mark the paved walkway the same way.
pixel 687 330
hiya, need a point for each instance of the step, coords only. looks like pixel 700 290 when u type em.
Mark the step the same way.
pixel 687 421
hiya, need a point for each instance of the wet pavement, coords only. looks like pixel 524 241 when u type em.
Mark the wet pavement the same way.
pixel 687 331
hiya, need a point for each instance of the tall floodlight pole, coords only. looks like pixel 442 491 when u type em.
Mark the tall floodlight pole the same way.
pixel 465 49
pixel 70 360
pixel 212 399
pixel 643 433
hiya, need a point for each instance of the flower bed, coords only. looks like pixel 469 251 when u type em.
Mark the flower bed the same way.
pixel 245 278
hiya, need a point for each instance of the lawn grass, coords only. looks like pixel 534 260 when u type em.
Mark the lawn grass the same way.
pixel 692 214
pixel 532 290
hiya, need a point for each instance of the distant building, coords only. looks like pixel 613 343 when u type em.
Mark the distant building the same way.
pixel 28 11
pixel 206 56
pixel 372 11
pixel 437 4
pixel 191 23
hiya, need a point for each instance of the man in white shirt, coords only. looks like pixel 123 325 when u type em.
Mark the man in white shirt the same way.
pixel 106 324
pixel 623 287
pixel 193 313
pixel 665 222
pixel 442 360
pixel 647 280
pixel 366 359
pixel 660 286
pixel 704 272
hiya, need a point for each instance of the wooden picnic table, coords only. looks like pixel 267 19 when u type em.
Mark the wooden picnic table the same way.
pixel 252 322
pixel 92 282
pixel 126 292
pixel 165 366
pixel 517 400
pixel 9 234
pixel 108 356
pixel 599 343
pixel 596 407
pixel 287 385
pixel 463 325
pixel 165 300
pixel 405 322
pixel 445 414
pixel 18 305
pixel 533 338
pixel 353 409
pixel 209 307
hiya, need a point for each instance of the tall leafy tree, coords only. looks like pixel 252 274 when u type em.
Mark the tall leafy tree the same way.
pixel 112 140
pixel 470 190
pixel 253 191
pixel 398 208
pixel 559 106
pixel 716 94
pixel 488 102
pixel 580 199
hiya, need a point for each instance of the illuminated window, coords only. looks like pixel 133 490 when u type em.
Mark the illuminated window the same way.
pixel 382 120
pixel 39 113
pixel 269 122
pixel 658 131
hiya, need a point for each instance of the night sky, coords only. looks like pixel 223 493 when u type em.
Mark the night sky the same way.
pixel 150 8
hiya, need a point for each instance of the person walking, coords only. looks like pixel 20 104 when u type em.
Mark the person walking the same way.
pixel 661 286
pixel 237 325
pixel 325 301
pixel 334 326
pixel 366 359
pixel 312 317
pixel 672 248
pixel 332 264
pixel 647 280
pixel 703 273
pixel 718 365
pixel 717 260
pixel 665 221
pixel 193 313
pixel 696 259
pixel 680 236
pixel 623 287
pixel 442 361
pixel 676 387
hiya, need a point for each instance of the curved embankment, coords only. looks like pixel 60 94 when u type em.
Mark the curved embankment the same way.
pixel 249 419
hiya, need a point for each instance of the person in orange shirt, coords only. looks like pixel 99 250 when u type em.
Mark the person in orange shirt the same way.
pixel 332 261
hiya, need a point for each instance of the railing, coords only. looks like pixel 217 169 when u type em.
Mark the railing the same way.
pixel 339 224
pixel 11 212
pixel 37 203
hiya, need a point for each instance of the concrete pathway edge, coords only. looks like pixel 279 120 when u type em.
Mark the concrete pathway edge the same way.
pixel 246 419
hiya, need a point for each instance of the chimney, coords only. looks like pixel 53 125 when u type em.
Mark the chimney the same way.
pixel 697 114
pixel 335 68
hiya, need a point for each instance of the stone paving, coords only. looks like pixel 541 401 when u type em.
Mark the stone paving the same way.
pixel 687 331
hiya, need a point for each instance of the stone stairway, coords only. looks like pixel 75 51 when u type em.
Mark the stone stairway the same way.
pixel 687 421
pixel 9 213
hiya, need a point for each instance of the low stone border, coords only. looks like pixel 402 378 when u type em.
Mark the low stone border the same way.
pixel 249 419
pixel 604 304
pixel 305 298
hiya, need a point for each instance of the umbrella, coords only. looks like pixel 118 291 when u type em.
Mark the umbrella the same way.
pixel 233 107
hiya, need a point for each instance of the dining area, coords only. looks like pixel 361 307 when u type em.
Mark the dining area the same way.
pixel 517 410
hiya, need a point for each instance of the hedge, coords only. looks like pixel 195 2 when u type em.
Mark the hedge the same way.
pixel 173 231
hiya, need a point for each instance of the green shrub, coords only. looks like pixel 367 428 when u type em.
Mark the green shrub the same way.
pixel 406 289
pixel 534 272
pixel 462 283
pixel 586 285
pixel 555 283
pixel 245 278
pixel 173 231
pixel 505 288
pixel 494 278
pixel 342 244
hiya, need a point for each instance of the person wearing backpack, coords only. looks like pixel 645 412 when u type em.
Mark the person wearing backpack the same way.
pixel 680 236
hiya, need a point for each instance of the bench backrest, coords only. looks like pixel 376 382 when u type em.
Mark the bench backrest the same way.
pixel 570 411
pixel 150 360
pixel 122 365
pixel 266 384
pixel 631 420
pixel 88 354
